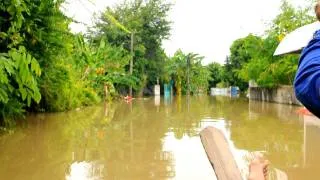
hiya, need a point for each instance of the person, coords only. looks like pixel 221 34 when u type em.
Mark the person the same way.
pixel 307 79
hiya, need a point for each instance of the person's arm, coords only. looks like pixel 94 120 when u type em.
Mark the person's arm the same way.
pixel 307 81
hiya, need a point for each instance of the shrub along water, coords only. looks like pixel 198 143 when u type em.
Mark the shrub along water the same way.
pixel 44 67
pixel 40 69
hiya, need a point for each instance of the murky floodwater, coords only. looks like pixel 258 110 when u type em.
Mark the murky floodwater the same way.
pixel 149 139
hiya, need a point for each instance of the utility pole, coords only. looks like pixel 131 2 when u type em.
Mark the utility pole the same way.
pixel 188 75
pixel 131 62
pixel 123 28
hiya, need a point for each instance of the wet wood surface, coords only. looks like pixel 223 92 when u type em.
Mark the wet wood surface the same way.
pixel 219 154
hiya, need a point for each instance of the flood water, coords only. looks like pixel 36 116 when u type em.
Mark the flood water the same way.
pixel 158 139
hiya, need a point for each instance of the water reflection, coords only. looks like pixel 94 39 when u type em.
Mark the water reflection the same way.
pixel 85 170
pixel 157 100
pixel 148 139
pixel 311 148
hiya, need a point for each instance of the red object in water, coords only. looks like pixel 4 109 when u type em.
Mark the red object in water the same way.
pixel 128 98
pixel 304 111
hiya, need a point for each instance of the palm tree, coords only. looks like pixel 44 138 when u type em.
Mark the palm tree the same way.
pixel 181 67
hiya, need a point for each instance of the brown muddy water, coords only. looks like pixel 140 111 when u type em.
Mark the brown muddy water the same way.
pixel 155 138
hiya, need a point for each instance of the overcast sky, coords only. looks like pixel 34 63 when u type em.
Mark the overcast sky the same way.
pixel 206 27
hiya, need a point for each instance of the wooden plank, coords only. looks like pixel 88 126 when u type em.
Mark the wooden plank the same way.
pixel 280 175
pixel 219 154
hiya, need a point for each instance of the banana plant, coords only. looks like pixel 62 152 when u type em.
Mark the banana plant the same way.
pixel 18 73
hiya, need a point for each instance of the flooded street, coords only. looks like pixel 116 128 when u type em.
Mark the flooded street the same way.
pixel 158 139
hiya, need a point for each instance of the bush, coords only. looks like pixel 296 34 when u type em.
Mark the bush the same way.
pixel 62 89
pixel 11 111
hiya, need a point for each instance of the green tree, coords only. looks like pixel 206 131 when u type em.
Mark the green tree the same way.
pixel 36 52
pixel 261 65
pixel 150 26
pixel 104 65
pixel 242 51
pixel 176 68
pixel 19 69
pixel 215 74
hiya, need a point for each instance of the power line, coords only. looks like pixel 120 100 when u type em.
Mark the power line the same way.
pixel 92 12
pixel 85 7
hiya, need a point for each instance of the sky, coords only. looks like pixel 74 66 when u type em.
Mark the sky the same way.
pixel 205 27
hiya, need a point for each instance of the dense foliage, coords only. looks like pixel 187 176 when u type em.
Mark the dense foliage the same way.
pixel 216 74
pixel 27 40
pixel 255 54
pixel 45 67
pixel 186 69
pixel 147 20
pixel 251 57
